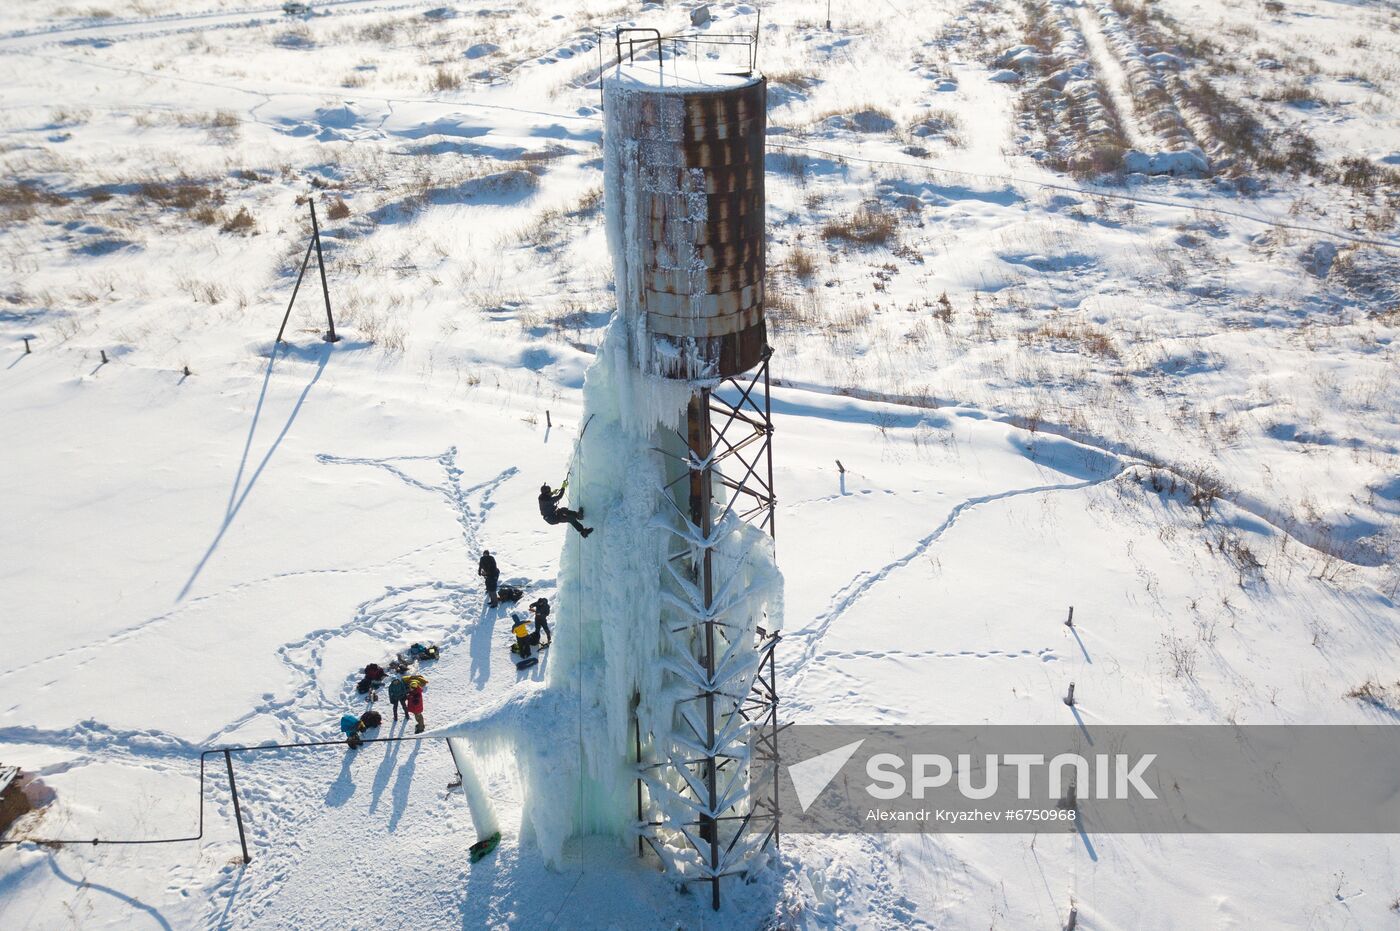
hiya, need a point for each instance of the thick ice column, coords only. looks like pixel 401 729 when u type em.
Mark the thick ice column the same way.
pixel 610 583
pixel 478 802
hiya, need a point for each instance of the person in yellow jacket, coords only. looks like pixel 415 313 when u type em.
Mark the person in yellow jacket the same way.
pixel 524 639
pixel 524 636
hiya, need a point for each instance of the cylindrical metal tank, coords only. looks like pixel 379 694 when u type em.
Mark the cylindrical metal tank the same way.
pixel 685 205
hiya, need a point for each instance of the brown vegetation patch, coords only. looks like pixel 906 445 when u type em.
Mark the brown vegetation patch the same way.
pixel 869 226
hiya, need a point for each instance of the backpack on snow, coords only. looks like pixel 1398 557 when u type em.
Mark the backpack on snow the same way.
pixel 371 719
pixel 509 593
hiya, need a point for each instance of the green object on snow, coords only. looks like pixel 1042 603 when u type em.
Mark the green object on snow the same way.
pixel 483 847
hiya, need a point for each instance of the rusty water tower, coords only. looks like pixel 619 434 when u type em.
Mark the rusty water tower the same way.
pixel 684 142
pixel 695 154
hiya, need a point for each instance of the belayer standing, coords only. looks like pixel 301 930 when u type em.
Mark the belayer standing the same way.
pixel 554 514
pixel 540 607
pixel 398 696
pixel 415 706
pixel 486 568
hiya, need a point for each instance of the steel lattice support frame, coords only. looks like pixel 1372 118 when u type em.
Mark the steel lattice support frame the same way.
pixel 728 721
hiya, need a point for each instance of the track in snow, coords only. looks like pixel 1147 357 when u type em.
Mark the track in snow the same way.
pixel 852 592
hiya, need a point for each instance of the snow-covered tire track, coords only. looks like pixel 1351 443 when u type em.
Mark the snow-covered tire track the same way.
pixel 1148 98
pixel 1066 106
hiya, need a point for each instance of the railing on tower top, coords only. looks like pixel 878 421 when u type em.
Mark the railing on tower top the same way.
pixel 630 39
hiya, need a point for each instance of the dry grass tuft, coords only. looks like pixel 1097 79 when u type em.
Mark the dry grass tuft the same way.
pixel 1074 335
pixel 445 80
pixel 794 78
pixel 182 194
pixel 1373 692
pixel 870 225
pixel 802 263
pixel 21 200
pixel 240 222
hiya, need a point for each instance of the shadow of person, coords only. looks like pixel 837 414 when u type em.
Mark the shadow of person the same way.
pixel 381 775
pixel 402 784
pixel 480 645
pixel 344 786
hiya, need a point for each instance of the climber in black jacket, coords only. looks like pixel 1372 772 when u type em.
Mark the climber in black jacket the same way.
pixel 486 568
pixel 554 514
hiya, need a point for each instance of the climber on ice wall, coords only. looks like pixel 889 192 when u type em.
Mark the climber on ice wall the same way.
pixel 554 514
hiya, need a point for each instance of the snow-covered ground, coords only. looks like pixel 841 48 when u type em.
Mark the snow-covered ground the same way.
pixel 1167 401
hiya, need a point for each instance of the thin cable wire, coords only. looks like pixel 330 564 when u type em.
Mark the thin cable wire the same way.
pixel 203 756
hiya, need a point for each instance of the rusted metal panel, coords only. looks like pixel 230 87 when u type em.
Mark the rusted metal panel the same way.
pixel 701 278
pixel 698 204
pixel 724 325
pixel 701 307
pixel 727 353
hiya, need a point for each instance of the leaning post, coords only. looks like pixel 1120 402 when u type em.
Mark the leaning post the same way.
pixel 237 812
pixel 321 264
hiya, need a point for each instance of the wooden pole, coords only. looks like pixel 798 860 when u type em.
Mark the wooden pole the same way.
pixel 306 260
pixel 321 264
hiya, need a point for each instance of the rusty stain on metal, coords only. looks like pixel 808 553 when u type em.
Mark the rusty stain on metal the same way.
pixel 699 206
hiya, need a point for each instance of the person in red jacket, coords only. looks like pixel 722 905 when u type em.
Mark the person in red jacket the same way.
pixel 415 706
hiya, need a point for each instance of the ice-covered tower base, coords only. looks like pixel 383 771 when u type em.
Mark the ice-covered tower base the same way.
pixel 674 621
pixel 617 741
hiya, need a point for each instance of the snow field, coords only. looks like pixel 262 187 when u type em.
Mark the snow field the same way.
pixel 208 559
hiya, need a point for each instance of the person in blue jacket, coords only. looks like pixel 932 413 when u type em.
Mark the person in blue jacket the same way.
pixel 352 727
